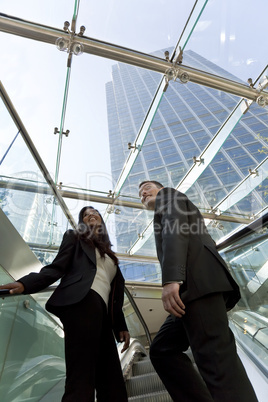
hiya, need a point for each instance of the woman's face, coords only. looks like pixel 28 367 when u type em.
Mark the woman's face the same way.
pixel 92 218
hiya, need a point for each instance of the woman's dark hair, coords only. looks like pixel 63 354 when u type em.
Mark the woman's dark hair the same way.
pixel 100 240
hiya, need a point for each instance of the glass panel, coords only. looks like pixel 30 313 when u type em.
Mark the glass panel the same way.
pixel 32 349
pixel 88 137
pixel 133 323
pixel 244 150
pixel 211 150
pixel 193 19
pixel 142 239
pixel 36 216
pixel 27 199
pixel 245 188
pixel 173 142
pixel 140 271
pixel 19 162
pixel 100 74
pixel 220 230
pixel 247 258
pixel 37 99
pixel 233 46
pixel 48 12
pixel 130 24
pixel 140 139
pixel 45 253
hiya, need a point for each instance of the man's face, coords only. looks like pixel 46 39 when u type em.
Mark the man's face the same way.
pixel 148 193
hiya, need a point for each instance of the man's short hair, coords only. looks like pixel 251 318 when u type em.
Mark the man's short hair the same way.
pixel 158 185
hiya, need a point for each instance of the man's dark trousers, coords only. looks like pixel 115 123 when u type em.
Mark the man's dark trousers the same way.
pixel 205 329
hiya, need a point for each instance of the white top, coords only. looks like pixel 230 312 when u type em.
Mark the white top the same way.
pixel 106 270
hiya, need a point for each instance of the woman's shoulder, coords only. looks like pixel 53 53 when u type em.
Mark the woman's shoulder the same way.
pixel 69 235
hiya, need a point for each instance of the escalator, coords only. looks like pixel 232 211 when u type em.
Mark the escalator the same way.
pixel 32 364
pixel 32 357
pixel 144 385
pixel 246 254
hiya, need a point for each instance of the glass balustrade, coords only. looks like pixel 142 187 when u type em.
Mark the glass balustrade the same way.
pixel 31 348
pixel 32 345
pixel 248 262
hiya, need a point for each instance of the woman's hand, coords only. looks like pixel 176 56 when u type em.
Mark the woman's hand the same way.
pixel 14 287
pixel 124 336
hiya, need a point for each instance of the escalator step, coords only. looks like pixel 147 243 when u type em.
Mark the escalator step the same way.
pixel 144 384
pixel 142 367
pixel 162 396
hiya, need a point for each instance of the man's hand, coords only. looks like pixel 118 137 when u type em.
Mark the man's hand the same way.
pixel 171 299
pixel 124 336
pixel 14 287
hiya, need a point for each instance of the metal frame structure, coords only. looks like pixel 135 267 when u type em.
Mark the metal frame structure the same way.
pixel 172 69
pixel 75 195
pixel 47 34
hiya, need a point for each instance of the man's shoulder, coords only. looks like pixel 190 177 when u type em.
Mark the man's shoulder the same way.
pixel 170 192
pixel 169 199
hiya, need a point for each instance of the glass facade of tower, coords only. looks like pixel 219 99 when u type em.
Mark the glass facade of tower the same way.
pixel 34 214
pixel 186 121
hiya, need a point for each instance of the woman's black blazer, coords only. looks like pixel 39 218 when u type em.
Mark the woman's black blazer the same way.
pixel 75 264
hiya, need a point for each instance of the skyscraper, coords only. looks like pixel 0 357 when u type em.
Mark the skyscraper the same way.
pixel 188 117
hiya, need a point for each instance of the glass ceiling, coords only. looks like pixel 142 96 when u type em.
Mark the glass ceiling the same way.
pixel 61 99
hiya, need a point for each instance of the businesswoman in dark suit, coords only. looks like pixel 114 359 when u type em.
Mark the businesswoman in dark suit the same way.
pixel 89 302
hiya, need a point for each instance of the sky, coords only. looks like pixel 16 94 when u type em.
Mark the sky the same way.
pixel 34 73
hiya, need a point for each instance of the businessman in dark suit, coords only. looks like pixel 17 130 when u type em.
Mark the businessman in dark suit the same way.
pixel 198 289
pixel 89 302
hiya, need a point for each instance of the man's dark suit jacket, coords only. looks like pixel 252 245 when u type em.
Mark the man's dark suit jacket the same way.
pixel 186 251
pixel 75 263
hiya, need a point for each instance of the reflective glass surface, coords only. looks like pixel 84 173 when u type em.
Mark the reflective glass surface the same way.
pixel 133 322
pixel 223 36
pixel 45 12
pixel 131 24
pixel 30 362
pixel 247 258
pixel 27 199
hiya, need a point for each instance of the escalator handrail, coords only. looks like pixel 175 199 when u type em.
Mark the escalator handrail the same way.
pixel 252 227
pixel 128 294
